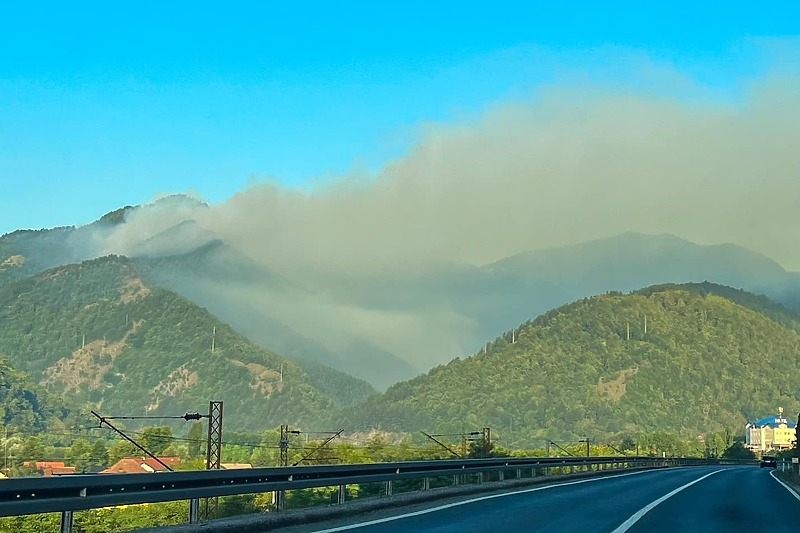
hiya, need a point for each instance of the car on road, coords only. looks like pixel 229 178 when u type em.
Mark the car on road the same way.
pixel 768 461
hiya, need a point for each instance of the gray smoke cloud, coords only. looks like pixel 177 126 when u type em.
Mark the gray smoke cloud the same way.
pixel 569 166
pixel 564 169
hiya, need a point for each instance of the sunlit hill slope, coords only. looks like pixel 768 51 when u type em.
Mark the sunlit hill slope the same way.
pixel 686 359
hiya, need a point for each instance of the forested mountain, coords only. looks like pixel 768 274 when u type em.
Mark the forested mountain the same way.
pixel 186 259
pixel 96 332
pixel 379 326
pixel 681 359
pixel 513 289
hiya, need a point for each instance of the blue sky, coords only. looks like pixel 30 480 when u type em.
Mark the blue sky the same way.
pixel 116 102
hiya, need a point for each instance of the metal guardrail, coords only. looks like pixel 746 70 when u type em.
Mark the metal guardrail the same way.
pixel 78 492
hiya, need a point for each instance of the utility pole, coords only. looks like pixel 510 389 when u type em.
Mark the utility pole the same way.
pixel 284 445
pixel 5 445
pixel 213 338
pixel 645 324
pixel 487 442
pixel 213 451
pixel 214 443
pixel 628 326
pixel 586 440
pixel 797 446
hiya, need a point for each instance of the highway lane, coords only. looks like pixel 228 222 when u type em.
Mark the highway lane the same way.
pixel 702 499
pixel 741 499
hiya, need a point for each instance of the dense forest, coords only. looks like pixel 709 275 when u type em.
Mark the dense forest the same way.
pixel 676 359
pixel 96 332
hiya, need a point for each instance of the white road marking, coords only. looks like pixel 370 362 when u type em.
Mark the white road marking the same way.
pixel 627 524
pixel 785 486
pixel 473 500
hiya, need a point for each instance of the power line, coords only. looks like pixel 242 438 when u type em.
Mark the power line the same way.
pixel 124 436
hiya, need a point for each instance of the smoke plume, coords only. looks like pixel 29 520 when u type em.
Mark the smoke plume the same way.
pixel 569 166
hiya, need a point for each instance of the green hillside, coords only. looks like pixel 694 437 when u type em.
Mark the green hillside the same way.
pixel 705 364
pixel 759 303
pixel 99 334
pixel 187 260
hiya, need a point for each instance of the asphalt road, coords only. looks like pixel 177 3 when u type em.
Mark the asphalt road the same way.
pixel 702 499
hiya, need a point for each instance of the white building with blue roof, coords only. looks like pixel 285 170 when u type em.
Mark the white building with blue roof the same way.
pixel 774 433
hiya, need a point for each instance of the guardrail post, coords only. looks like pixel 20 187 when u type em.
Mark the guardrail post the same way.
pixel 455 480
pixel 66 521
pixel 533 472
pixel 342 494
pixel 280 500
pixel 194 510
pixel 480 477
pixel 501 475
pixel 519 473
pixel 389 487
pixel 426 483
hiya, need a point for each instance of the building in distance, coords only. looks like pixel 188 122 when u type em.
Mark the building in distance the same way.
pixel 774 433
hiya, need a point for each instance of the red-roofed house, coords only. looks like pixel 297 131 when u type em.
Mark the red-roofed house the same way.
pixel 51 468
pixel 141 465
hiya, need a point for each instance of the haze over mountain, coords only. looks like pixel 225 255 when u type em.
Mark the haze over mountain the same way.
pixel 686 360
pixel 383 325
pixel 97 333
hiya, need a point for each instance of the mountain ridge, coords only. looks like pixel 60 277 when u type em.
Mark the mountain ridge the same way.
pixel 98 332
pixel 342 322
pixel 661 359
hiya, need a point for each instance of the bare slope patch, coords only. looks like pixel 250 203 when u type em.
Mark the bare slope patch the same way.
pixel 614 389
pixel 87 367
pixel 177 381
pixel 13 261
pixel 264 380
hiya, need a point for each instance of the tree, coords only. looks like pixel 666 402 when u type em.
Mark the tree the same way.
pixel 99 453
pixel 627 443
pixel 156 439
pixel 739 452
pixel 79 455
pixel 33 449
pixel 121 449
pixel 195 437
